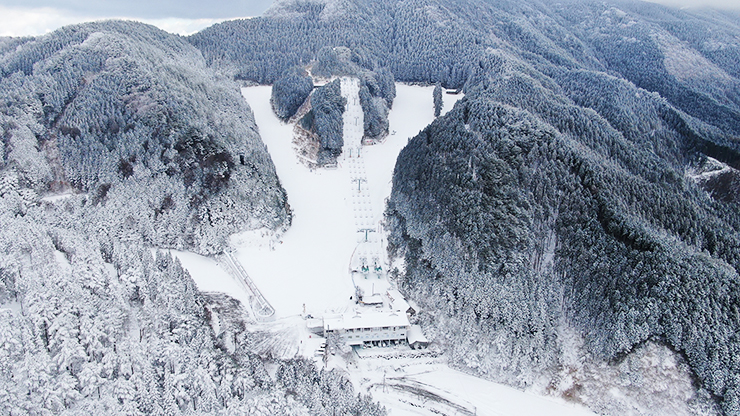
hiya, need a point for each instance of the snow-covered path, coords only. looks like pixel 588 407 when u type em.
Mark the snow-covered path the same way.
pixel 413 387
pixel 353 119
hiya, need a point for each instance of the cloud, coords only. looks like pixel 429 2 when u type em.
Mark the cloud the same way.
pixel 18 21
pixel 717 4
pixel 183 17
pixel 150 9
pixel 181 26
pixel 31 22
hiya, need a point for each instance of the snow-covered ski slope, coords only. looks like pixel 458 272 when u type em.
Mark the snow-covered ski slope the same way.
pixel 310 264
pixel 353 119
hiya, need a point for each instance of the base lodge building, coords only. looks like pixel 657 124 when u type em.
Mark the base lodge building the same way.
pixel 369 328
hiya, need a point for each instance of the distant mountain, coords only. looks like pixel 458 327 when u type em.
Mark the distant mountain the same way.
pixel 688 57
pixel 117 141
pixel 578 210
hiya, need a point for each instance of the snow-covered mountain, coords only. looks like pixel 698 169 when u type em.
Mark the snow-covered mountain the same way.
pixel 570 227
pixel 118 141
pixel 547 223
pixel 116 109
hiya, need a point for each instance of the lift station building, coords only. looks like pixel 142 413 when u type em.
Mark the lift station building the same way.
pixel 368 328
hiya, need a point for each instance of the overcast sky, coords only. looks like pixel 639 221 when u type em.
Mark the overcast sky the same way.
pixel 152 9
pixel 36 17
pixel 718 4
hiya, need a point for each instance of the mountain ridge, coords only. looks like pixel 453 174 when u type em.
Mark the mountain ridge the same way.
pixel 150 149
pixel 556 194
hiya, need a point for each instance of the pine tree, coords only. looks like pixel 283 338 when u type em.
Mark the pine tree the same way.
pixel 437 99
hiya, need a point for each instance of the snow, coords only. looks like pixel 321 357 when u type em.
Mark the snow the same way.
pixel 416 335
pixel 353 117
pixel 210 277
pixel 397 301
pixel 311 261
pixel 712 168
pixel 428 388
pixel 62 261
pixel 311 264
pixel 53 198
pixel 15 308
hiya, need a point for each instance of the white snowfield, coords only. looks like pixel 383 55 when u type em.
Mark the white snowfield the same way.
pixel 310 264
pixel 432 389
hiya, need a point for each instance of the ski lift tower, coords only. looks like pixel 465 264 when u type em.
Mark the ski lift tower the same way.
pixel 359 183
pixel 366 231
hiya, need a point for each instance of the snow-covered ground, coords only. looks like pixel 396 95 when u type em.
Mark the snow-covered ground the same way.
pixel 353 119
pixel 310 264
pixel 712 167
pixel 426 386
pixel 210 277
pixel 53 198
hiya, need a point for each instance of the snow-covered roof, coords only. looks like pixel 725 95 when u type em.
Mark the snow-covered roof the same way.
pixel 398 302
pixel 375 299
pixel 415 335
pixel 413 305
pixel 358 320
pixel 313 323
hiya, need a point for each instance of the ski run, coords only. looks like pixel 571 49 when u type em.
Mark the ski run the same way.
pixel 334 252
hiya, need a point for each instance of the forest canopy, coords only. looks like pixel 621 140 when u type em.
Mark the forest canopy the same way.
pixel 118 142
pixel 568 190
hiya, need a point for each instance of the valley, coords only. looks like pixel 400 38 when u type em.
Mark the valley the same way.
pixel 205 224
pixel 310 265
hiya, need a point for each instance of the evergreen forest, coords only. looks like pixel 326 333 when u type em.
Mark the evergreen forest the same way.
pixel 586 184
pixel 577 210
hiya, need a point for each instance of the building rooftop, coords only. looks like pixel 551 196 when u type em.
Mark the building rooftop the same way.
pixel 371 319
pixel 415 335
pixel 397 301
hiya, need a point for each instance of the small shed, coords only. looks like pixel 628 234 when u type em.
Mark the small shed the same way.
pixel 315 326
pixel 372 300
pixel 416 338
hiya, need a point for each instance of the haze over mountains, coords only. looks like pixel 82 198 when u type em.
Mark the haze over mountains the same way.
pixel 571 226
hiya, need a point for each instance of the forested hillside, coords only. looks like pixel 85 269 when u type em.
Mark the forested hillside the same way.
pixel 118 140
pixel 578 207
pixel 322 122
pixel 114 111
pixel 688 57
